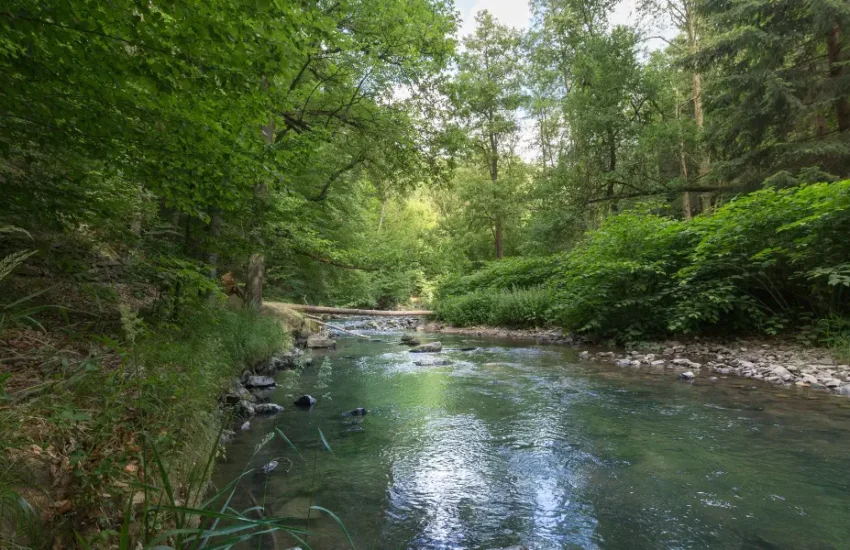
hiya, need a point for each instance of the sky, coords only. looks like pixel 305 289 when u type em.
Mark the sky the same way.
pixel 516 13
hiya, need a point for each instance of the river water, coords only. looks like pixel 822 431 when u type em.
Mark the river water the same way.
pixel 517 443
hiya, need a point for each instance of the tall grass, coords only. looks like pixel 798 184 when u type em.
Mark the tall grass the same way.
pixel 154 389
pixel 514 308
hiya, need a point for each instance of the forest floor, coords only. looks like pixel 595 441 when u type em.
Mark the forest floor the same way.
pixel 778 360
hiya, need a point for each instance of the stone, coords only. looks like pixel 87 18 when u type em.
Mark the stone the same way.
pixel 437 363
pixel 298 508
pixel 688 375
pixel 407 338
pixel 746 365
pixel 809 379
pixel 657 362
pixel 260 382
pixel 782 372
pixel 584 355
pixel 844 390
pixel 267 408
pixel 359 411
pixel 305 402
pixel 623 363
pixel 288 360
pixel 834 383
pixel 320 342
pixel 714 379
pixel 431 347
pixel 227 436
pixel 270 467
pixel 246 426
pixel 411 342
pixel 355 429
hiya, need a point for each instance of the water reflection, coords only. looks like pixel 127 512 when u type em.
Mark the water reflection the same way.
pixel 513 444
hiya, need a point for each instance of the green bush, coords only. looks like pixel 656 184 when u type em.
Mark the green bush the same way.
pixel 619 281
pixel 517 308
pixel 772 260
pixel 768 261
pixel 507 274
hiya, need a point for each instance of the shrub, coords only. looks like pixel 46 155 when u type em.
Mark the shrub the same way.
pixel 768 261
pixel 618 282
pixel 517 308
pixel 775 259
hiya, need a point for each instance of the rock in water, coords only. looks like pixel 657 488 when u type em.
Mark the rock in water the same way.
pixel 359 411
pixel 407 338
pixel 270 467
pixel 686 375
pixel 246 426
pixel 305 402
pixel 260 382
pixel 431 347
pixel 319 342
pixel 267 408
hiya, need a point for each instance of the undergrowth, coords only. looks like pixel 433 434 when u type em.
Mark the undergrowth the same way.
pixel 78 442
pixel 771 262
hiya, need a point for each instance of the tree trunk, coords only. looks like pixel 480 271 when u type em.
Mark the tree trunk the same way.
pixel 257 262
pixel 612 167
pixel 254 285
pixel 499 237
pixel 213 234
pixel 842 105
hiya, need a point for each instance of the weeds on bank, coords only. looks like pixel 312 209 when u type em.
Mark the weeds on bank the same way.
pixel 79 431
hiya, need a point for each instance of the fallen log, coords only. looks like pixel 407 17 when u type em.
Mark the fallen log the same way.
pixel 345 311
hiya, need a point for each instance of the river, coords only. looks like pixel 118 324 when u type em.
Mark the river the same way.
pixel 517 443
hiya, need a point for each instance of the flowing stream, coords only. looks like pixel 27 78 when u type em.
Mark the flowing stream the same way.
pixel 517 443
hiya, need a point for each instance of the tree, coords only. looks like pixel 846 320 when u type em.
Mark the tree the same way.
pixel 486 95
pixel 778 99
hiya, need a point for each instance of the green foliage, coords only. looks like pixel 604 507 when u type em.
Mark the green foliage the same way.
pixel 515 308
pixel 618 281
pixel 510 273
pixel 765 262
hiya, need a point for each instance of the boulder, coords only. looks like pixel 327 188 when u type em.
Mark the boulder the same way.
pixel 305 402
pixel 267 408
pixel 431 347
pixel 407 338
pixel 686 375
pixel 657 363
pixel 288 360
pixel 623 363
pixel 260 382
pixel 359 411
pixel 245 426
pixel 834 383
pixel 437 363
pixel 320 342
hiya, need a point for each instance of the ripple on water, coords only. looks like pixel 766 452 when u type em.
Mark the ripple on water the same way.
pixel 525 445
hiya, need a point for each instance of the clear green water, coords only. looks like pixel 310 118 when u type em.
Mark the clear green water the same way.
pixel 525 444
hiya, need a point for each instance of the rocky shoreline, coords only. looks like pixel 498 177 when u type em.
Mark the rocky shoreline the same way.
pixel 776 361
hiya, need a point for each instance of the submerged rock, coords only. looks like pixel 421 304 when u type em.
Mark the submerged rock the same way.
pixel 267 408
pixel 686 375
pixel 431 347
pixel 305 402
pixel 359 411
pixel 246 426
pixel 270 467
pixel 320 342
pixel 355 429
pixel 437 363
pixel 260 382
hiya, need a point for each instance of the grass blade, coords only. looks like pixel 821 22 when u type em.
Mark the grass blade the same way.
pixel 338 522
pixel 325 441
pixel 288 442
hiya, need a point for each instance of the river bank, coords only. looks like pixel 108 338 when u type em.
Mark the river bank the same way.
pixel 778 361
